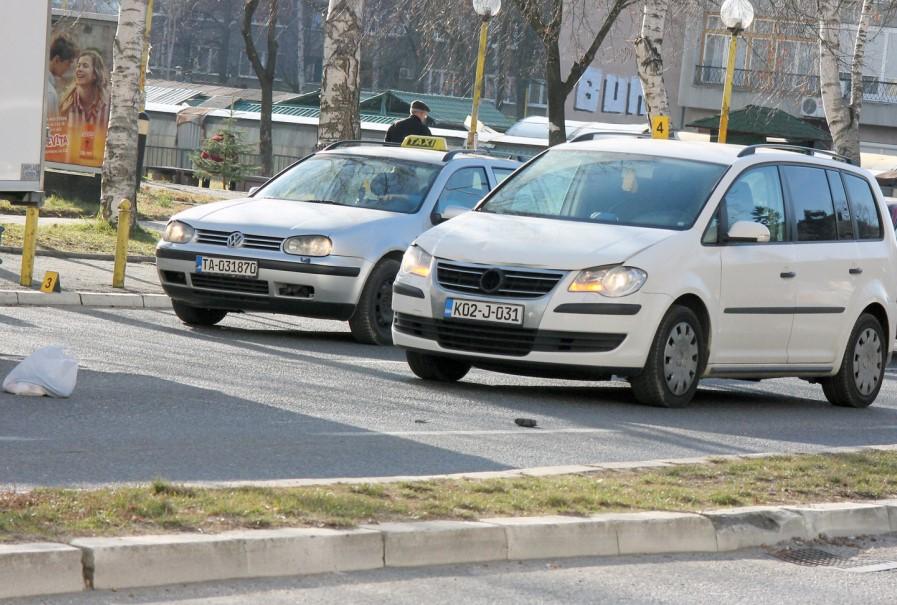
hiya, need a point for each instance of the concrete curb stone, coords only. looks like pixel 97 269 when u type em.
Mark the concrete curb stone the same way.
pixel 557 536
pixel 9 298
pixel 136 258
pixel 156 301
pixel 441 543
pixel 112 299
pixel 752 526
pixel 37 298
pixel 662 532
pixel 844 519
pixel 122 300
pixel 114 563
pixel 40 568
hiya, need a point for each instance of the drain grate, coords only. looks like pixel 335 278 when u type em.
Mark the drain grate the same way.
pixel 816 557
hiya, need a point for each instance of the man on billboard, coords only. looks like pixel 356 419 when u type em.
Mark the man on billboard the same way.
pixel 63 53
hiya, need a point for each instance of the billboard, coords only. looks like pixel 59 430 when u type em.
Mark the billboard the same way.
pixel 79 73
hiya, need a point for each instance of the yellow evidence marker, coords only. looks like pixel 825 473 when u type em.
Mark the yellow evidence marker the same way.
pixel 434 143
pixel 660 127
pixel 51 282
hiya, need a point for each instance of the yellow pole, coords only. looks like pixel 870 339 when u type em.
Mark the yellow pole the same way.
pixel 121 245
pixel 29 245
pixel 727 90
pixel 478 84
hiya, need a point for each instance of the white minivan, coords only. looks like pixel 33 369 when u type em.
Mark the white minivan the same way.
pixel 662 262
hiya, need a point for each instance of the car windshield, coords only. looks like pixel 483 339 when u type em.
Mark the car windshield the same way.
pixel 608 187
pixel 351 180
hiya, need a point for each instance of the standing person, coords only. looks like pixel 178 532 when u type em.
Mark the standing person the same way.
pixel 415 124
pixel 62 54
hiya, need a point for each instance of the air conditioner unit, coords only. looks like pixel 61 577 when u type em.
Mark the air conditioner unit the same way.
pixel 811 107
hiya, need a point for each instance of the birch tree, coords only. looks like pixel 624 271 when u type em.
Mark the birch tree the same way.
pixel 649 57
pixel 842 115
pixel 264 71
pixel 120 159
pixel 341 78
pixel 546 17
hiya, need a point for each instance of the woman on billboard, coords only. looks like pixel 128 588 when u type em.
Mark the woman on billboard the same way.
pixel 85 105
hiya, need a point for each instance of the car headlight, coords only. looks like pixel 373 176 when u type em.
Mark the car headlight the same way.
pixel 613 281
pixel 308 245
pixel 177 232
pixel 416 261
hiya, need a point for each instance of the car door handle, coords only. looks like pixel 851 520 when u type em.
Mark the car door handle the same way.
pixel 787 274
pixel 856 271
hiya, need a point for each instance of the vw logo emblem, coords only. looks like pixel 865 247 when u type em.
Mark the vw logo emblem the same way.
pixel 235 240
pixel 491 281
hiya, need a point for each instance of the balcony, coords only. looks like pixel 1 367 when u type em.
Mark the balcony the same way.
pixel 874 91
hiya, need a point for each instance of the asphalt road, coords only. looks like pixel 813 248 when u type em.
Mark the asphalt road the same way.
pixel 273 397
pixel 745 577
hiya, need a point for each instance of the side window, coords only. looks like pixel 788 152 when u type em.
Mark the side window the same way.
pixel 862 202
pixel 501 174
pixel 814 211
pixel 464 188
pixel 711 233
pixel 757 196
pixel 842 210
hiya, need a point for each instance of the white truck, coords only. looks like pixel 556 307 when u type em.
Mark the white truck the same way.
pixel 24 30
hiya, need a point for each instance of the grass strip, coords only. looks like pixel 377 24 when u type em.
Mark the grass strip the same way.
pixel 163 507
pixel 94 236
pixel 153 203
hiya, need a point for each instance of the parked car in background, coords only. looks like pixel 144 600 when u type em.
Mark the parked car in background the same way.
pixel 662 262
pixel 322 239
pixel 892 208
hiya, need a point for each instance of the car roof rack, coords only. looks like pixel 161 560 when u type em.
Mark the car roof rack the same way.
pixel 591 136
pixel 483 153
pixel 812 151
pixel 352 143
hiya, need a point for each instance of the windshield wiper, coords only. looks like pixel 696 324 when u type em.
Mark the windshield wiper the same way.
pixel 330 202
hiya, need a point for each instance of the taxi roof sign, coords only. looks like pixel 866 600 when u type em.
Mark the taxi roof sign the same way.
pixel 422 142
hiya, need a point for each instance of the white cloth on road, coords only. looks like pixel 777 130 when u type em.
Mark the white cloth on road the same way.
pixel 48 371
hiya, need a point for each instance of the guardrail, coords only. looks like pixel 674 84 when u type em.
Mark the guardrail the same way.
pixel 874 91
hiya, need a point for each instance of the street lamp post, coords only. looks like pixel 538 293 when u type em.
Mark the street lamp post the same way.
pixel 486 9
pixel 737 16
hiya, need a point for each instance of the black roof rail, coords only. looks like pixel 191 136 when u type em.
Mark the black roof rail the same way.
pixel 752 149
pixel 350 143
pixel 501 155
pixel 591 136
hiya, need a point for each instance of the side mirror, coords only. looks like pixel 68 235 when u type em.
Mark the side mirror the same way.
pixel 449 212
pixel 252 190
pixel 748 231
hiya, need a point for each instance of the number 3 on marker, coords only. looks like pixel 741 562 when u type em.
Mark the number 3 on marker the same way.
pixel 660 127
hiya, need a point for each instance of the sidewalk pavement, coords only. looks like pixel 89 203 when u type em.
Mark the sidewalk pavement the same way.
pixel 84 282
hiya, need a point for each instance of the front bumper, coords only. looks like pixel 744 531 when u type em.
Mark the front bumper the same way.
pixel 327 288
pixel 583 333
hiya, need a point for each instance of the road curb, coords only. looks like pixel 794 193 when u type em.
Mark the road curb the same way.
pixel 142 561
pixel 123 300
pixel 137 258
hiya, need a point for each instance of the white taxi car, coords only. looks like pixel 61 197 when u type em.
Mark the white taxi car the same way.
pixel 322 239
pixel 663 262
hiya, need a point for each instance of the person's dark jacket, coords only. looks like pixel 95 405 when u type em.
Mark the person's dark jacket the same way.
pixel 403 128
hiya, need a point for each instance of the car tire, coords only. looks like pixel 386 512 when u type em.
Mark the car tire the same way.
pixel 372 321
pixel 434 367
pixel 196 316
pixel 675 362
pixel 858 381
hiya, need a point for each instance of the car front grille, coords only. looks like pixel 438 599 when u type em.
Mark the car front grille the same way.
pixel 229 284
pixel 253 242
pixel 496 339
pixel 515 283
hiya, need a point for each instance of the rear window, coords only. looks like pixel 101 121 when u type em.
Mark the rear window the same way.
pixel 862 202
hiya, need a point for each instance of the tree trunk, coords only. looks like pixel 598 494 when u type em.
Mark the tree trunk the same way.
pixel 265 74
pixel 342 59
pixel 843 117
pixel 649 57
pixel 557 96
pixel 120 160
pixel 300 45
